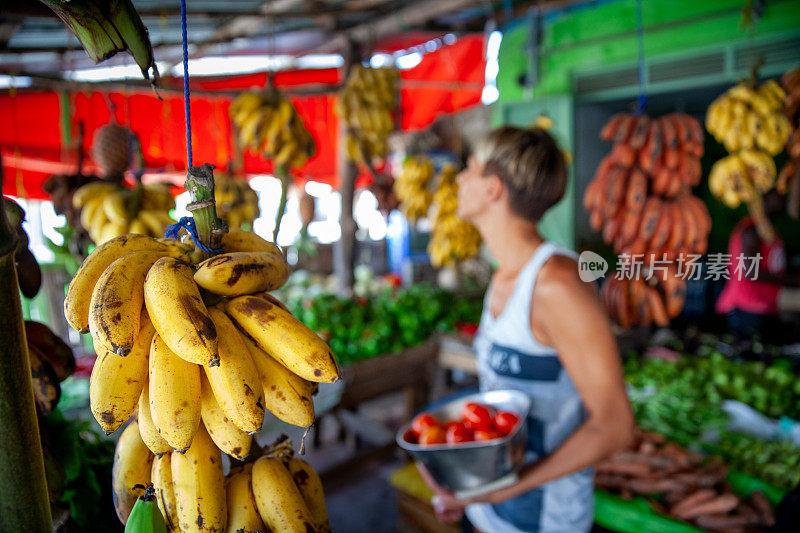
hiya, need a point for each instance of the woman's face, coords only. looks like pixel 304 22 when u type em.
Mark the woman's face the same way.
pixel 472 190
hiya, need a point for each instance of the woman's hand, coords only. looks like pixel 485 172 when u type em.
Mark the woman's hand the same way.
pixel 448 508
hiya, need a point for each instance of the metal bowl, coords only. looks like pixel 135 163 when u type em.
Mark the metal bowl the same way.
pixel 471 465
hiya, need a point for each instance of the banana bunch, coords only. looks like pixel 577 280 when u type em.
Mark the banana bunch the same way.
pixel 642 302
pixel 108 210
pixel 742 177
pixel 746 117
pixel 452 239
pixel 52 361
pixel 198 353
pixel 269 124
pixel 789 177
pixel 366 103
pixel 411 187
pixel 237 203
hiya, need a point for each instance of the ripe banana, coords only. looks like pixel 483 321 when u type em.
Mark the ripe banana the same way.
pixel 145 516
pixel 279 501
pixel 132 464
pixel 411 187
pixel 452 239
pixel 178 313
pixel 117 299
pixel 174 390
pixel 116 382
pixel 238 273
pixel 286 395
pixel 235 381
pixel 245 241
pixel 161 475
pixel 285 338
pixel 79 294
pixel 199 486
pixel 310 485
pixel 225 434
pixel 242 510
pixel 147 429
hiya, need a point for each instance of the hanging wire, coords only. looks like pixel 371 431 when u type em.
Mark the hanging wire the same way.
pixel 641 103
pixel 186 87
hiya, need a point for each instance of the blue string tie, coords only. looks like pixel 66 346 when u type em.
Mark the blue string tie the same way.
pixel 187 223
pixel 186 86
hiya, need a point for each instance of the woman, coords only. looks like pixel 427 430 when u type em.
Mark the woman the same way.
pixel 544 332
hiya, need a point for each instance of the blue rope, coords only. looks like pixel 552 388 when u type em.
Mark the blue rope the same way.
pixel 186 86
pixel 641 102
pixel 187 223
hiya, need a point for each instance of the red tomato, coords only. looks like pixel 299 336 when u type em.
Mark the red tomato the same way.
pixel 457 432
pixel 452 423
pixel 432 435
pixel 423 421
pixel 410 436
pixel 505 422
pixel 477 416
pixel 486 434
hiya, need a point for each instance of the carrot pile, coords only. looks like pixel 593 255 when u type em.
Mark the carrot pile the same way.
pixel 680 484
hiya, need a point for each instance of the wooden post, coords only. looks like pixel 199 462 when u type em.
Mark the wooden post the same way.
pixel 24 503
pixel 344 259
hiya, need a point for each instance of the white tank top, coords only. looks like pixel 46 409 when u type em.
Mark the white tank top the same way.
pixel 510 357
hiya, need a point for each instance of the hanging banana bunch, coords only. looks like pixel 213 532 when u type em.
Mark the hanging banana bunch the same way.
pixel 196 352
pixel 367 103
pixel 237 203
pixel 411 187
pixel 749 121
pixel 789 177
pixel 268 124
pixel 452 239
pixel 108 210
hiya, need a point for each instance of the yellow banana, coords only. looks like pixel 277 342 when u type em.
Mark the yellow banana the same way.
pixel 237 240
pixel 228 438
pixel 285 338
pixel 132 463
pixel 161 476
pixel 286 395
pixel 200 486
pixel 242 510
pixel 116 382
pixel 238 273
pixel 178 313
pixel 310 485
pixel 88 210
pixel 174 395
pixel 85 193
pixel 235 381
pixel 115 207
pixel 137 226
pixel 117 299
pixel 110 231
pixel 79 294
pixel 152 222
pixel 279 501
pixel 147 429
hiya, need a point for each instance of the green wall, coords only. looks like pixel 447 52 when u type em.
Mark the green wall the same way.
pixel 604 34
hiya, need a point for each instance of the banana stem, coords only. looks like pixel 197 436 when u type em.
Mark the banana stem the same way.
pixel 282 174
pixel 24 502
pixel 762 223
pixel 210 228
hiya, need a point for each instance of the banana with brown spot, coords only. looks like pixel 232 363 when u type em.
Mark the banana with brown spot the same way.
pixel 178 313
pixel 174 389
pixel 310 485
pixel 147 429
pixel 161 476
pixel 285 338
pixel 228 438
pixel 132 464
pixel 238 273
pixel 242 509
pixel 200 486
pixel 279 501
pixel 245 241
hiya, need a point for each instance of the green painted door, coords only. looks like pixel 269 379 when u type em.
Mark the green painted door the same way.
pixel 558 224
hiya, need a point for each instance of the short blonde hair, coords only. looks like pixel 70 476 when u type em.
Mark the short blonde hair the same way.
pixel 530 164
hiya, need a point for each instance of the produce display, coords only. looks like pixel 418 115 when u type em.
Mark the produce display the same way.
pixel 789 177
pixel 109 210
pixel 749 121
pixel 384 322
pixel 680 484
pixel 237 203
pixel 452 239
pixel 641 199
pixel 200 348
pixel 366 103
pixel 411 187
pixel 478 422
pixel 268 124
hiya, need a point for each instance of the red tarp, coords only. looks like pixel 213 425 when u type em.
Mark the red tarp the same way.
pixel 33 149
